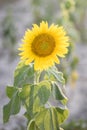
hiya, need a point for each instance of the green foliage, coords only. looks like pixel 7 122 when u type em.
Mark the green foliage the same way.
pixel 49 119
pixel 58 94
pixel 13 107
pixel 57 75
pixel 34 95
pixel 23 75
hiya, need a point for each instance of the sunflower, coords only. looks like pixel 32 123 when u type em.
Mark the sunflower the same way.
pixel 44 45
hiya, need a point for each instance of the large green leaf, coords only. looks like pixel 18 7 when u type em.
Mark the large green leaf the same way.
pixel 51 118
pixel 13 107
pixel 35 96
pixel 53 72
pixel 58 93
pixel 24 74
pixel 44 91
pixel 47 120
pixel 62 114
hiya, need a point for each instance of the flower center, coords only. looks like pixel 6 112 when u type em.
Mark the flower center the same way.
pixel 43 45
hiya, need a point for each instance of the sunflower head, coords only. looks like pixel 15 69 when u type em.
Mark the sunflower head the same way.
pixel 44 45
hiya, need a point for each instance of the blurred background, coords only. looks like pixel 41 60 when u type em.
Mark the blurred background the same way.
pixel 18 15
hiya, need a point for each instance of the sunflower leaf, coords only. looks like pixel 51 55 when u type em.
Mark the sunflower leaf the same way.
pixel 62 114
pixel 12 108
pixel 57 75
pixel 44 91
pixel 58 93
pixel 35 96
pixel 24 74
pixel 51 118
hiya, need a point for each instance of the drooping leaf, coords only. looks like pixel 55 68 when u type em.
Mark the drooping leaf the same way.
pixel 58 93
pixel 51 118
pixel 12 108
pixel 44 91
pixel 57 75
pixel 24 74
pixel 62 114
pixel 47 120
pixel 35 96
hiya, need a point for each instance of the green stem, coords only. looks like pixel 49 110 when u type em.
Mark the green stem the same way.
pixel 31 98
pixel 36 77
pixel 31 101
